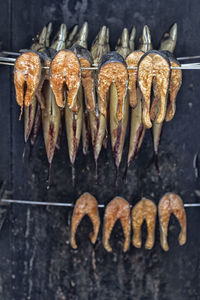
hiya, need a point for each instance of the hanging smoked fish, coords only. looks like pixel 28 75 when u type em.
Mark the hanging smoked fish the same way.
pixel 98 122
pixel 132 39
pixel 118 129
pixel 51 115
pixel 74 121
pixel 32 114
pixel 168 43
pixel 71 37
pixel 137 130
pixel 154 68
pixel 88 84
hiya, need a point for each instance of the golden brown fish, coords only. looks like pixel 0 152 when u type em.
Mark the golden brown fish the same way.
pixel 65 72
pixel 98 122
pixel 137 130
pixel 146 210
pixel 116 209
pixel 168 204
pixel 27 76
pixel 154 68
pixel 168 43
pixel 112 68
pixel 85 205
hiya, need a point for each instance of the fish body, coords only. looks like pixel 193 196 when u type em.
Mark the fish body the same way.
pixel 168 43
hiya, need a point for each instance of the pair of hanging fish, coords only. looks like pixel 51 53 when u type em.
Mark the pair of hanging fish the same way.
pixel 90 117
pixel 119 208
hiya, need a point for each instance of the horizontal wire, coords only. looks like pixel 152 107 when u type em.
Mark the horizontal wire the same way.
pixel 178 58
pixel 26 202
pixel 195 66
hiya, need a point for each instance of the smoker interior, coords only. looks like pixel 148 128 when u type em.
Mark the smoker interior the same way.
pixel 36 260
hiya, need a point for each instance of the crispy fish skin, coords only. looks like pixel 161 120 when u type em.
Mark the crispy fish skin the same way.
pixel 146 210
pixel 73 123
pixel 154 67
pixel 117 208
pixel 87 76
pixel 112 68
pixel 175 84
pixel 132 61
pixel 85 205
pixel 65 69
pixel 168 204
pixel 27 72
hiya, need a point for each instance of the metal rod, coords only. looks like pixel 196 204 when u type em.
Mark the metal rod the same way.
pixel 193 66
pixel 178 58
pixel 26 202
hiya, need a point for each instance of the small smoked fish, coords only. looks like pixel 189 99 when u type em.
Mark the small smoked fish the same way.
pixel 145 209
pixel 65 71
pixel 137 130
pixel 27 76
pixel 51 114
pixel 132 39
pixel 85 205
pixel 82 36
pixel 98 122
pixel 168 43
pixel 154 68
pixel 100 44
pixel 118 129
pixel 88 85
pixel 116 209
pixel 168 204
pixel 71 37
pixel 112 68
pixel 30 111
pixel 73 124
pixel 123 44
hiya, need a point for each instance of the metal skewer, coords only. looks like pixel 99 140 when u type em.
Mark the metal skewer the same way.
pixel 192 66
pixel 26 202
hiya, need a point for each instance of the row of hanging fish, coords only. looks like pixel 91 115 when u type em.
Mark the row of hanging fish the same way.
pixel 119 209
pixel 53 81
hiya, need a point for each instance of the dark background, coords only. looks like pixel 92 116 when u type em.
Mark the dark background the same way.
pixel 36 260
